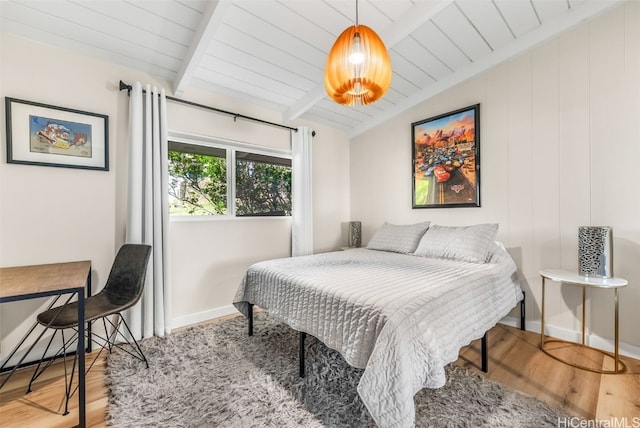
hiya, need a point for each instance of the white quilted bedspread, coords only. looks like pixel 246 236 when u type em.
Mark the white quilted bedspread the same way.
pixel 400 317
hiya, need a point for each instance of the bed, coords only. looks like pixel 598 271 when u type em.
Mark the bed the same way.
pixel 401 309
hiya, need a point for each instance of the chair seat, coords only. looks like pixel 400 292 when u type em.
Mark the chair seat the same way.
pixel 97 306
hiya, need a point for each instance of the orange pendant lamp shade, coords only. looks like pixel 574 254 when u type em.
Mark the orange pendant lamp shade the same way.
pixel 358 69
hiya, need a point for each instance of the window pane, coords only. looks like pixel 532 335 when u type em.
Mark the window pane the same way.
pixel 197 180
pixel 263 185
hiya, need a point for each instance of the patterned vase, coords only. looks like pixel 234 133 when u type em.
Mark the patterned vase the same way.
pixel 355 234
pixel 595 251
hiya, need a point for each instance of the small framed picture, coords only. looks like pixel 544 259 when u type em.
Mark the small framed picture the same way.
pixel 42 134
pixel 446 160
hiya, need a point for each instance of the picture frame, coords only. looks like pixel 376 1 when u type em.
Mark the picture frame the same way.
pixel 446 160
pixel 47 135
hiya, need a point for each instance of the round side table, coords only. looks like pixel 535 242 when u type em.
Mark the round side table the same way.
pixel 572 278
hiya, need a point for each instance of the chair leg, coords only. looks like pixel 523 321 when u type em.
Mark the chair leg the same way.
pixel 33 344
pixel 109 342
pixel 67 382
pixel 38 372
pixel 35 372
pixel 134 340
pixel 110 337
pixel 16 348
pixel 67 385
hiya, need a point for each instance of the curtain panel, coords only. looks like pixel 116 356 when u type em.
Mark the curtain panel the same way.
pixel 302 192
pixel 148 207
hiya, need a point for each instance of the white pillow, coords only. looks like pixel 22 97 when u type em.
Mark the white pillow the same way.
pixel 398 238
pixel 464 243
pixel 496 250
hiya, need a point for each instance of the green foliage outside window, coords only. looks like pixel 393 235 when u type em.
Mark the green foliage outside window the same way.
pixel 262 189
pixel 198 186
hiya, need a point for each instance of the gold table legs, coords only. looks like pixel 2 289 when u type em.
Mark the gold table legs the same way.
pixel 619 365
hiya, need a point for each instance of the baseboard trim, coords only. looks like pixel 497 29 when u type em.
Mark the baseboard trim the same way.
pixel 593 340
pixel 203 316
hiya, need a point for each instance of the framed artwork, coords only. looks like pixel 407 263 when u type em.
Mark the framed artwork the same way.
pixel 41 134
pixel 446 160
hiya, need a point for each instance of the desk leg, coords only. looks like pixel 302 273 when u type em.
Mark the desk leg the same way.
pixel 89 341
pixel 542 317
pixel 81 362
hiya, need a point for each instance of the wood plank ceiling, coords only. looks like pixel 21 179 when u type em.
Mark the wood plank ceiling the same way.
pixel 273 52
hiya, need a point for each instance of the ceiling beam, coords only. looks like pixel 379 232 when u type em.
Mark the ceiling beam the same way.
pixel 211 20
pixel 310 99
pixel 577 15
pixel 416 16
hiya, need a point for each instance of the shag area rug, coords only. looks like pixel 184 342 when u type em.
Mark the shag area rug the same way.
pixel 217 376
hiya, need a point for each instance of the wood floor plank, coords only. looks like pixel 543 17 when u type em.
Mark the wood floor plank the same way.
pixel 620 394
pixel 43 407
pixel 524 367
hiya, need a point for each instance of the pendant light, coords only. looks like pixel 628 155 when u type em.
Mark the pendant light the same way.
pixel 358 68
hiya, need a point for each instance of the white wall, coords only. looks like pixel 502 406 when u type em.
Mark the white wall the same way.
pixel 560 144
pixel 61 214
pixel 53 214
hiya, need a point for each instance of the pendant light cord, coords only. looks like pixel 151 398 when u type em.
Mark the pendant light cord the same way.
pixel 357 13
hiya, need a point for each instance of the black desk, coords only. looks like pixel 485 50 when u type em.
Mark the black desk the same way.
pixel 30 282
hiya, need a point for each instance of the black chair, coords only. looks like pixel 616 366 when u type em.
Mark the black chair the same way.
pixel 123 289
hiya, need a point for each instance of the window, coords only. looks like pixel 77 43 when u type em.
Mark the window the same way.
pixel 263 185
pixel 197 180
pixel 218 180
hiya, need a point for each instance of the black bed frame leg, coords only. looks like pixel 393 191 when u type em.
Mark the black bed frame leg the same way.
pixel 250 319
pixel 483 351
pixel 485 362
pixel 522 311
pixel 303 336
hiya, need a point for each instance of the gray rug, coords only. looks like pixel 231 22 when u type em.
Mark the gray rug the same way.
pixel 217 376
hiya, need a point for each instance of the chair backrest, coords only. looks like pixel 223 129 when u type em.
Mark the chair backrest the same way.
pixel 126 279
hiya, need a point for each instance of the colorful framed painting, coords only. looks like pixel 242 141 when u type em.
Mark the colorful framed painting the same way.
pixel 42 134
pixel 446 160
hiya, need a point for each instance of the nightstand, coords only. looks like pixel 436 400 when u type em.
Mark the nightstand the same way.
pixel 568 277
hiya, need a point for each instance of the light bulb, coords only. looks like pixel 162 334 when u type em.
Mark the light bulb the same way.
pixel 356 56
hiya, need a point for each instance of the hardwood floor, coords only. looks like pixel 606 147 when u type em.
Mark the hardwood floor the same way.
pixel 514 360
pixel 43 407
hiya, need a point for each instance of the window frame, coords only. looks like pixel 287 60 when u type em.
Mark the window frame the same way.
pixel 230 146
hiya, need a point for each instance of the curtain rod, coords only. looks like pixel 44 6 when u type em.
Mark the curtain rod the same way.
pixel 124 86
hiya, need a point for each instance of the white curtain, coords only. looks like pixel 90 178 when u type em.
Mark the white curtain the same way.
pixel 302 192
pixel 148 208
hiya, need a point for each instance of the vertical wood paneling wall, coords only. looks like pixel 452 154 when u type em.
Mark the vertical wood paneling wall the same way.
pixel 560 148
